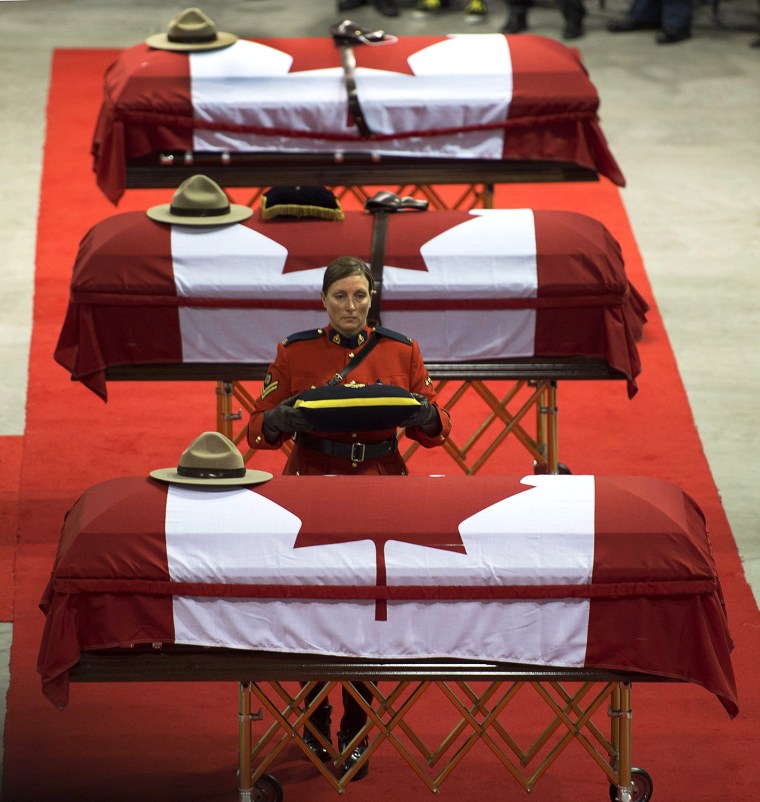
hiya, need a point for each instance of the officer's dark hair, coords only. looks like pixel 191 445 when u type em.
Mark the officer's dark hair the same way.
pixel 345 266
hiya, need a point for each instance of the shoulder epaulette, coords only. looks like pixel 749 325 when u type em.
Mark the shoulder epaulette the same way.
pixel 309 334
pixel 393 335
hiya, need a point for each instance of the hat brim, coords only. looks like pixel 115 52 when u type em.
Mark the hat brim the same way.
pixel 160 41
pixel 251 477
pixel 163 214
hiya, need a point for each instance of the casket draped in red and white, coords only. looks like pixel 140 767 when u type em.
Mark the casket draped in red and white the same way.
pixel 573 571
pixel 484 286
pixel 470 97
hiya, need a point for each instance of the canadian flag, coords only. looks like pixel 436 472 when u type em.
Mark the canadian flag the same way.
pixel 457 82
pixel 469 97
pixel 538 535
pixel 480 258
pixel 543 283
pixel 567 571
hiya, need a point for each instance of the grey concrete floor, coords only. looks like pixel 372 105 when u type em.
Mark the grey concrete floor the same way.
pixel 683 122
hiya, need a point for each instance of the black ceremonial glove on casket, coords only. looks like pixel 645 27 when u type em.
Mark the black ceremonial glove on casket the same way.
pixel 283 419
pixel 426 417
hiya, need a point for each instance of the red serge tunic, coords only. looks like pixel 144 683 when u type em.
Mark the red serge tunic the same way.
pixel 309 359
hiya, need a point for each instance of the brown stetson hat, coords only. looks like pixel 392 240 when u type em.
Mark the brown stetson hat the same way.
pixel 211 460
pixel 191 30
pixel 199 201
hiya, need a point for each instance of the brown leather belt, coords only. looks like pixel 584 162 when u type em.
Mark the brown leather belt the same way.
pixel 346 34
pixel 356 452
pixel 380 205
pixel 348 62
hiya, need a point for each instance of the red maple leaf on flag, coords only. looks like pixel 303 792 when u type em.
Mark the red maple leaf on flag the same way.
pixel 373 512
pixel 320 54
pixel 408 233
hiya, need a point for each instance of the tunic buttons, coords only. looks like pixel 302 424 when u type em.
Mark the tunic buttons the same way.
pixel 351 354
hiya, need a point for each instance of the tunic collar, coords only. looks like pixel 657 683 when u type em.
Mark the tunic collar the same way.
pixel 348 342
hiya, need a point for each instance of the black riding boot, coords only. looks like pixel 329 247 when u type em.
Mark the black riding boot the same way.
pixel 517 22
pixel 387 8
pixel 353 719
pixel 321 721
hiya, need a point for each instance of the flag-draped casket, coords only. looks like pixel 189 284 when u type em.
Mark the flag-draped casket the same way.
pixel 570 571
pixel 484 286
pixel 485 98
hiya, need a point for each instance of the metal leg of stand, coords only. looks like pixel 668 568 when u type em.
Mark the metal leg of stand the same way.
pixel 546 426
pixel 245 787
pixel 621 714
pixel 224 414
pixel 541 433
pixel 488 196
pixel 551 442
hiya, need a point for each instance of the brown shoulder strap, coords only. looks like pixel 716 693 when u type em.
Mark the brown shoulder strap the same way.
pixel 363 354
pixel 346 35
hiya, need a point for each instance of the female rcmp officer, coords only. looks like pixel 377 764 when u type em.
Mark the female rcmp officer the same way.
pixel 309 359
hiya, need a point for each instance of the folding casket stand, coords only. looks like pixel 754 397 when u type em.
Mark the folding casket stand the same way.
pixel 261 677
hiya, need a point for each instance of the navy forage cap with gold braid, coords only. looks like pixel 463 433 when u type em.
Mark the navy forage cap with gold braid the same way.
pixel 211 460
pixel 301 201
pixel 190 30
pixel 199 201
pixel 356 407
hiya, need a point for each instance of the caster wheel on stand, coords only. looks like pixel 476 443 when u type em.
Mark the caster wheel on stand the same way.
pixel 642 787
pixel 267 789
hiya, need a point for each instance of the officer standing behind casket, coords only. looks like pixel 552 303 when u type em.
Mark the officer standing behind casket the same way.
pixel 311 359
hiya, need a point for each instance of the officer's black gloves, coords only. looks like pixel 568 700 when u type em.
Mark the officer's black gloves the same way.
pixel 283 419
pixel 425 417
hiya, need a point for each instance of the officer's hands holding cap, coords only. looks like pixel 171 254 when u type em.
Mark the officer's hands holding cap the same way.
pixel 425 417
pixel 287 419
pixel 284 419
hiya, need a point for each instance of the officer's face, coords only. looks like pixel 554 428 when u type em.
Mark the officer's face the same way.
pixel 347 303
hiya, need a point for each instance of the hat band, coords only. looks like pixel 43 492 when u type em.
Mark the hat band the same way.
pixel 191 39
pixel 179 211
pixel 211 473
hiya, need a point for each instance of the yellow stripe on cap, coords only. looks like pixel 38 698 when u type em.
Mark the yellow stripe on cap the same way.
pixel 351 403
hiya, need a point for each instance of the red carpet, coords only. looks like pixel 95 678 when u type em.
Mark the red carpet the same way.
pixel 178 742
pixel 9 493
